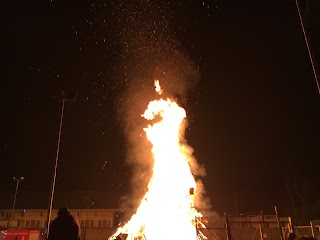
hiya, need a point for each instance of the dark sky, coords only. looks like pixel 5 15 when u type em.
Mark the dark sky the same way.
pixel 240 68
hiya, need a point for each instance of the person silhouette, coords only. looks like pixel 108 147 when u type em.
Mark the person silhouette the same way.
pixel 292 236
pixel 64 227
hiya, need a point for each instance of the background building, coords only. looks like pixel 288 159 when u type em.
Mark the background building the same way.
pixel 101 223
pixel 95 223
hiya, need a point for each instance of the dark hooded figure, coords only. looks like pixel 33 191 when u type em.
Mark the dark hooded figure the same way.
pixel 64 227
pixel 292 236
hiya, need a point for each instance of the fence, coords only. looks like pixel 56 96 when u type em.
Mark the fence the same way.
pixel 258 230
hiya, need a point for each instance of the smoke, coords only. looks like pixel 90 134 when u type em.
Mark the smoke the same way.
pixel 201 201
pixel 148 49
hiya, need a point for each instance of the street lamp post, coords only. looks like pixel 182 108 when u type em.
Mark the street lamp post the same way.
pixel 311 54
pixel 15 195
pixel 63 98
pixel 53 183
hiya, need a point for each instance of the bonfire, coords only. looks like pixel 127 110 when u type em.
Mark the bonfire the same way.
pixel 167 210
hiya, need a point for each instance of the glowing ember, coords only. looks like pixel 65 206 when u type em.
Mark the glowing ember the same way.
pixel 157 85
pixel 167 209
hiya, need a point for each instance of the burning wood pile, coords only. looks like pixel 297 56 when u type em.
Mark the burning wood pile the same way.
pixel 167 209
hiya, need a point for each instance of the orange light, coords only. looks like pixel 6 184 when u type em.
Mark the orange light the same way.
pixel 167 208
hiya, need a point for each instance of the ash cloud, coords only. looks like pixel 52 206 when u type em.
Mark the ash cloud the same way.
pixel 148 49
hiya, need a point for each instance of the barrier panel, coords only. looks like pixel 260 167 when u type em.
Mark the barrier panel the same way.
pixel 18 234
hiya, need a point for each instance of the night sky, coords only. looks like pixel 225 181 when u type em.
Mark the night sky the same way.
pixel 241 70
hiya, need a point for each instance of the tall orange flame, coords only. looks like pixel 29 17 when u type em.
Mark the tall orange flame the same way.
pixel 167 209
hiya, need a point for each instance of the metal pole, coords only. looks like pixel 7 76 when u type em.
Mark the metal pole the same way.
pixel 279 224
pixel 308 47
pixel 262 219
pixel 261 233
pixel 261 225
pixel 55 171
pixel 236 202
pixel 291 228
pixel 196 225
pixel 15 196
pixel 227 224
pixel 87 219
pixel 312 229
